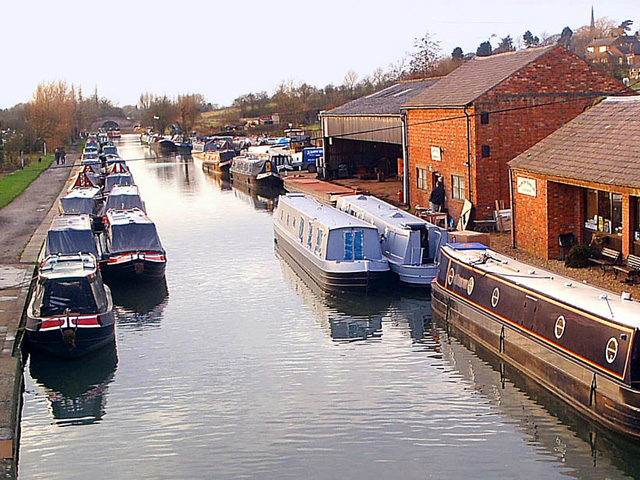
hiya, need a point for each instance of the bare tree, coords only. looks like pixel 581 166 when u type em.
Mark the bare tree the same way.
pixel 188 108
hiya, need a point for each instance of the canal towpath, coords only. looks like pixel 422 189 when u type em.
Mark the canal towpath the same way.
pixel 23 227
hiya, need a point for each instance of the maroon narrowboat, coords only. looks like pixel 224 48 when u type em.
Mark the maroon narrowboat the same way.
pixel 578 341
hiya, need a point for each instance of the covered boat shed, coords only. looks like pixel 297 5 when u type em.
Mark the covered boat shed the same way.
pixel 366 136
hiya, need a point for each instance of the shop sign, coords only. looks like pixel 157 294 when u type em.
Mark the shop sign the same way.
pixel 527 186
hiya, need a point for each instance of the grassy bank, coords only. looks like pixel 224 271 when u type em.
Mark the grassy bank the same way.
pixel 13 184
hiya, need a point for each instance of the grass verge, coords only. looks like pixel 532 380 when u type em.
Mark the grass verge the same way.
pixel 13 184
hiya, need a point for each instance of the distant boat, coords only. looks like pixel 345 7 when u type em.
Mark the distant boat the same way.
pixel 410 244
pixel 255 171
pixel 218 161
pixel 71 311
pixel 335 250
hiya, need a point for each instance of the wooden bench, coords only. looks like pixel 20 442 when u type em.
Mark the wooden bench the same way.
pixel 630 267
pixel 608 258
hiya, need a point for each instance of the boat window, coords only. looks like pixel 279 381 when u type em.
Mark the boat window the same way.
pixel 287 219
pixel 318 248
pixel 294 222
pixel 301 230
pixel 310 236
pixel 99 294
pixel 72 294
pixel 354 245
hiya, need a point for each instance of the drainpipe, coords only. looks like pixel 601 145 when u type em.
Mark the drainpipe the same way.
pixel 466 114
pixel 513 210
pixel 405 161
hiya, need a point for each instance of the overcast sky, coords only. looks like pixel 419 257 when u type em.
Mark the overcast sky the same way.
pixel 223 49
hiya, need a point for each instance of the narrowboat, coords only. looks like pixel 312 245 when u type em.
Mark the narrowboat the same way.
pixel 71 312
pixel 114 179
pixel 337 251
pixel 579 342
pixel 257 171
pixel 218 161
pixel 410 244
pixel 123 197
pixel 87 177
pixel 87 200
pixel 133 250
pixel 70 234
pixel 161 145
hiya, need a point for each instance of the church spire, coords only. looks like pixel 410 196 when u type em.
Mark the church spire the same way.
pixel 593 24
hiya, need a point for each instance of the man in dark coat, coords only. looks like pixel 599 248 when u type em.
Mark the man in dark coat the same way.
pixel 436 199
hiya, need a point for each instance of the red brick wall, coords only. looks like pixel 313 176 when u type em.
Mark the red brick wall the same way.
pixel 444 128
pixel 555 77
pixel 565 212
pixel 530 218
pixel 558 208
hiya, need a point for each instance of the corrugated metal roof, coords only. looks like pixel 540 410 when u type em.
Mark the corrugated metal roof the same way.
pixel 476 77
pixel 601 145
pixel 384 102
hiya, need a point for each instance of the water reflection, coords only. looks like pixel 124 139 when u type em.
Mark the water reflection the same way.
pixel 346 317
pixel 215 178
pixel 262 199
pixel 76 390
pixel 587 451
pixel 140 306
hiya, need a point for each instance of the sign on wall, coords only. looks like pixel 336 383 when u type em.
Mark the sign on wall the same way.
pixel 527 186
pixel 436 154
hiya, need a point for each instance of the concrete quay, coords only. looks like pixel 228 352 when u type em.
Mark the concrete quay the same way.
pixel 23 228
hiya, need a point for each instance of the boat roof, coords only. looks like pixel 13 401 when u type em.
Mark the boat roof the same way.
pixel 386 212
pixel 125 217
pixel 83 192
pixel 580 295
pixel 71 221
pixel 63 266
pixel 326 215
pixel 124 190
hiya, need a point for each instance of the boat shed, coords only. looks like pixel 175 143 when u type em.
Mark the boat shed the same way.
pixel 366 136
pixel 581 184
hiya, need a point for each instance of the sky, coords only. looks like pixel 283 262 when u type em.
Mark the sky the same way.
pixel 224 49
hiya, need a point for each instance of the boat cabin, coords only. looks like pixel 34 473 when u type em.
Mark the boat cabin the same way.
pixel 69 284
pixel 81 200
pixel 131 231
pixel 327 232
pixel 114 179
pixel 404 238
pixel 124 197
pixel 71 234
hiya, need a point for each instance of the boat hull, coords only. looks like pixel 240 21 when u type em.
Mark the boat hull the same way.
pixel 133 268
pixel 72 342
pixel 597 396
pixel 417 276
pixel 333 282
pixel 267 182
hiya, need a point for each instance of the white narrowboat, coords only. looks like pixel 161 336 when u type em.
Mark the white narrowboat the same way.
pixel 410 244
pixel 337 251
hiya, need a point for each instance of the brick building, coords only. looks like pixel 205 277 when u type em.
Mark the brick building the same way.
pixel 582 179
pixel 467 126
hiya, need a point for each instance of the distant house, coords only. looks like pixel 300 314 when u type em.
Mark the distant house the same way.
pixel 582 180
pixel 466 127
pixel 366 135
pixel 617 49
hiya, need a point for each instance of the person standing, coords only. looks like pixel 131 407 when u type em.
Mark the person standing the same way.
pixel 63 156
pixel 436 200
pixel 57 156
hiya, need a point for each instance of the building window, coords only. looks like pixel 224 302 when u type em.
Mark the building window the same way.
pixel 602 49
pixel 422 174
pixel 458 191
pixel 484 118
pixel 486 151
pixel 603 212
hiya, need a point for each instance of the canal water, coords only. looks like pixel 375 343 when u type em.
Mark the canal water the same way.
pixel 238 369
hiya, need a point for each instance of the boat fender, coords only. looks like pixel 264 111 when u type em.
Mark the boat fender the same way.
pixel 69 337
pixel 592 392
